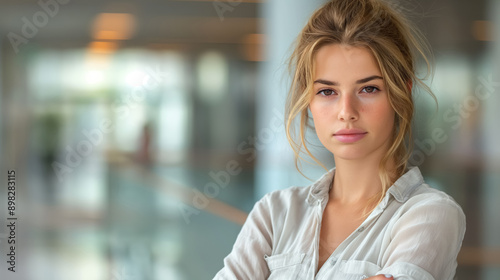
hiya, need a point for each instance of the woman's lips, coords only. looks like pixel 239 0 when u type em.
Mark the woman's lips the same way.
pixel 349 135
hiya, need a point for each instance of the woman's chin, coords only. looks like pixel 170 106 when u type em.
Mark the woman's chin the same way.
pixel 349 154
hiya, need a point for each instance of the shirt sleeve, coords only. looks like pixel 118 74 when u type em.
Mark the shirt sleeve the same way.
pixel 425 241
pixel 246 260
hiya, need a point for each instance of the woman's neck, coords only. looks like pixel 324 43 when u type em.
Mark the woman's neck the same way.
pixel 355 181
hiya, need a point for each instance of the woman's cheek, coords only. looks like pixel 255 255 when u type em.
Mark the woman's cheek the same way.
pixel 322 109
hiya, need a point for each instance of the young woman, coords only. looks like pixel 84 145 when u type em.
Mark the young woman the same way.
pixel 372 216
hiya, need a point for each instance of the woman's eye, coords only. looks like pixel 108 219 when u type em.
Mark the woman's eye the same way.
pixel 370 89
pixel 326 92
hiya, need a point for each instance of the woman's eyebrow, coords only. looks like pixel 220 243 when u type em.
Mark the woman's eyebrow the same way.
pixel 374 77
pixel 360 81
pixel 326 82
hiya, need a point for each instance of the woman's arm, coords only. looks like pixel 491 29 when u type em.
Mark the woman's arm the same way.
pixel 425 241
pixel 246 260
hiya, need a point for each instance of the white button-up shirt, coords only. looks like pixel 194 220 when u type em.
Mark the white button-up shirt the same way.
pixel 415 233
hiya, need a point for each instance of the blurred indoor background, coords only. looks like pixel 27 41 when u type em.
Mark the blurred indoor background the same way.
pixel 142 132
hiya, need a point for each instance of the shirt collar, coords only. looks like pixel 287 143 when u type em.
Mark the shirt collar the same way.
pixel 400 190
pixel 406 184
pixel 320 189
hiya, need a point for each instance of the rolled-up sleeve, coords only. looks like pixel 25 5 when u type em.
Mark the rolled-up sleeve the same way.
pixel 425 241
pixel 246 260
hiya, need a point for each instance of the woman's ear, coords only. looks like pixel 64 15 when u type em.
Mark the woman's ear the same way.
pixel 409 84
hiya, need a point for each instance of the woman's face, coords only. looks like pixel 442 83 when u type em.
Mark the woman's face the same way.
pixel 350 106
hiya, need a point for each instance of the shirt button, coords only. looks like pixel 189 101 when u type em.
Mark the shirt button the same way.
pixel 361 229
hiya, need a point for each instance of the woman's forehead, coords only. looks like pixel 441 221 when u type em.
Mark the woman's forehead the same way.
pixel 345 62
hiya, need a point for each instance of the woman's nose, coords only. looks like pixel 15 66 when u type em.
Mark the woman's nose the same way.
pixel 348 108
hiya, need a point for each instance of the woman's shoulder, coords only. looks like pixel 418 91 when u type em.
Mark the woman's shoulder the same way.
pixel 287 196
pixel 411 191
pixel 428 201
pixel 415 200
pixel 296 201
pixel 428 195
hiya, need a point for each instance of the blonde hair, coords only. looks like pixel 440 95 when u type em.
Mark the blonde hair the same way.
pixel 395 44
